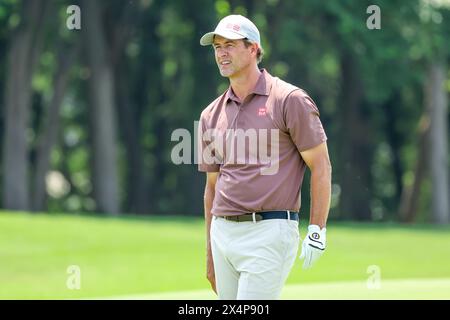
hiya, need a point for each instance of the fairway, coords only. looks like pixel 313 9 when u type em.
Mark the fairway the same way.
pixel 355 290
pixel 163 257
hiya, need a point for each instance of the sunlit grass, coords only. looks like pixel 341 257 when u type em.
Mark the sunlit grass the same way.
pixel 133 255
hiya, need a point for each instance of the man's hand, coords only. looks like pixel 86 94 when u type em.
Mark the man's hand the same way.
pixel 210 274
pixel 313 245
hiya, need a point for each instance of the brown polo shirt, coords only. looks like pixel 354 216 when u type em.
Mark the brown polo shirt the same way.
pixel 254 145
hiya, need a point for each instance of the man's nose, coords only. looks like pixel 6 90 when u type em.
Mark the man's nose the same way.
pixel 221 52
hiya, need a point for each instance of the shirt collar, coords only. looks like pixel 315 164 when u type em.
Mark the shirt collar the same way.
pixel 264 84
pixel 262 87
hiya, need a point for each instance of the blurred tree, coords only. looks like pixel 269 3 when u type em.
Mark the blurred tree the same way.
pixel 24 51
pixel 436 105
pixel 136 57
pixel 378 92
pixel 48 138
pixel 102 110
pixel 130 110
pixel 432 50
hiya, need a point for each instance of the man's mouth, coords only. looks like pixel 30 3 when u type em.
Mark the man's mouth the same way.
pixel 225 62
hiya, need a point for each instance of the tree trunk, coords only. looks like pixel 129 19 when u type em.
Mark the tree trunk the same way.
pixel 101 100
pixel 22 59
pixel 356 147
pixel 131 130
pixel 395 141
pixel 50 134
pixel 436 104
pixel 411 194
pixel 132 98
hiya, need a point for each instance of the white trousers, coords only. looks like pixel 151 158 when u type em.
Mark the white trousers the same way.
pixel 253 259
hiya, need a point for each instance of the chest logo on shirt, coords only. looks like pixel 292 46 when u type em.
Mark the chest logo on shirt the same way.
pixel 262 111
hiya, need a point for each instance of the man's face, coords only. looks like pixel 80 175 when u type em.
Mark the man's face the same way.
pixel 232 56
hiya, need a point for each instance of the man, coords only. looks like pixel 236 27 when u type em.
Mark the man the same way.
pixel 252 202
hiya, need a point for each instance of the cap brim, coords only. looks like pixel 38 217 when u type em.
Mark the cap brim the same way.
pixel 208 38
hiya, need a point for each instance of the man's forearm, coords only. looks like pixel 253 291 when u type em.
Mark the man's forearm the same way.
pixel 320 195
pixel 208 201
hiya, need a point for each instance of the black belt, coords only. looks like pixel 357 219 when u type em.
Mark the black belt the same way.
pixel 265 215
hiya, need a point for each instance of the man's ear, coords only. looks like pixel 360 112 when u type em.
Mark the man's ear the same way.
pixel 255 48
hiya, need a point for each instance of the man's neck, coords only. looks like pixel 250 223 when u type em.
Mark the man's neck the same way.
pixel 244 83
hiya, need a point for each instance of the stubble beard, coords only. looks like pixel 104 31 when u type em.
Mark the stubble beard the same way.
pixel 228 72
pixel 232 70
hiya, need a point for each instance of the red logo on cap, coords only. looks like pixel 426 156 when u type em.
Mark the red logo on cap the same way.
pixel 235 27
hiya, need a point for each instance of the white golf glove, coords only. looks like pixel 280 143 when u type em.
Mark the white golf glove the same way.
pixel 313 245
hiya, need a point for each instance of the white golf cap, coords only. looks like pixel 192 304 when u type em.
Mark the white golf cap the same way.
pixel 233 27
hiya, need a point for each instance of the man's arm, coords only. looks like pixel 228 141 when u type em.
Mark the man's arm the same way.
pixel 318 161
pixel 210 189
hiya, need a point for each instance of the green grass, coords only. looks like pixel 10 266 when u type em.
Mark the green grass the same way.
pixel 141 256
pixel 353 290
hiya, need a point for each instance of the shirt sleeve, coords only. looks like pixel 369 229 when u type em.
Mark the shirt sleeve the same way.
pixel 206 154
pixel 302 121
